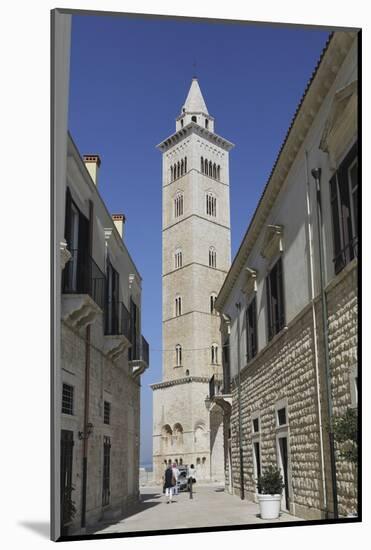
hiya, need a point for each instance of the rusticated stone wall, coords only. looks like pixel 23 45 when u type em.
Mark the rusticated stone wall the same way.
pixel 284 371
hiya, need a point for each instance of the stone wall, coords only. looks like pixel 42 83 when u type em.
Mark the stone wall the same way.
pixel 109 381
pixel 284 372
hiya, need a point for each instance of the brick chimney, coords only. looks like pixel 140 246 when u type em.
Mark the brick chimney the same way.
pixel 119 221
pixel 92 163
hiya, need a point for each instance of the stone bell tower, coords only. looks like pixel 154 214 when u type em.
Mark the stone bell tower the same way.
pixel 195 259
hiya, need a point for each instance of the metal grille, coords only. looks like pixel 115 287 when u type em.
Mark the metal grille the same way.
pixel 67 399
pixel 107 412
pixel 106 470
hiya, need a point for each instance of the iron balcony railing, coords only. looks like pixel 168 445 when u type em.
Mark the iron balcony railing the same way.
pixel 145 351
pixel 215 386
pixel 140 352
pixel 117 319
pixel 346 255
pixel 83 276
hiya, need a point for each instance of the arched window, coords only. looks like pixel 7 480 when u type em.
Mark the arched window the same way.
pixel 206 167
pixel 204 460
pixel 166 433
pixel 187 372
pixel 194 119
pixel 212 257
pixel 178 306
pixel 175 174
pixel 178 258
pixel 185 165
pixel 214 354
pixel 202 165
pixel 206 123
pixel 218 172
pixel 198 461
pixel 178 204
pixel 171 173
pixel 169 462
pixel 212 303
pixel 210 204
pixel 178 169
pixel 214 170
pixel 178 355
pixel 182 167
pixel 210 168
pixel 181 123
pixel 180 462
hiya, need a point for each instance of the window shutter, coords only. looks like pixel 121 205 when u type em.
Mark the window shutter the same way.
pixel 335 225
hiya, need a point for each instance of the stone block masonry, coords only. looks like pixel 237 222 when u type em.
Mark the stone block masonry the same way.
pixel 283 375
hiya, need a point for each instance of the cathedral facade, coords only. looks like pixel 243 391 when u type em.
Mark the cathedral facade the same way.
pixel 196 258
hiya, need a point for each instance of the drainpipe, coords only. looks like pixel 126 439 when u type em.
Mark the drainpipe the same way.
pixel 242 485
pixel 316 173
pixel 314 317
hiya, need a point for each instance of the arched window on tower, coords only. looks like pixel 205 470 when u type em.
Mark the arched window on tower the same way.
pixel 171 173
pixel 212 303
pixel 206 123
pixel 202 165
pixel 218 173
pixel 194 119
pixel 212 257
pixel 182 167
pixel 178 258
pixel 214 171
pixel 185 165
pixel 178 169
pixel 178 204
pixel 166 433
pixel 214 354
pixel 178 306
pixel 206 167
pixel 210 169
pixel 210 204
pixel 175 174
pixel 178 355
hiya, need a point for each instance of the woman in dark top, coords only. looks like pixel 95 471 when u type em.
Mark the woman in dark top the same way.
pixel 169 483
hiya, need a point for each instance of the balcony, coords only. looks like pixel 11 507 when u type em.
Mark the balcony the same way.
pixel 139 357
pixel 116 329
pixel 83 289
pixel 218 395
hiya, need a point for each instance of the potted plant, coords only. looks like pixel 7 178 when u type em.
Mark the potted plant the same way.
pixel 270 486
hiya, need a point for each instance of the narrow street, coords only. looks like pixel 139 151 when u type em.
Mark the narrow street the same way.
pixel 210 506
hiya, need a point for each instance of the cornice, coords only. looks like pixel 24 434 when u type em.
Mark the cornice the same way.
pixel 178 381
pixel 191 128
pixel 332 57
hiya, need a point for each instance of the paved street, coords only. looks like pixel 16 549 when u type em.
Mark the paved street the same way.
pixel 210 506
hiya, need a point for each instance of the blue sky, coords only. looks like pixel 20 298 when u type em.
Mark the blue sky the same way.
pixel 129 80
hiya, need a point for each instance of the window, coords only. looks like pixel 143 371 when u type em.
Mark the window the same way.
pixel 178 259
pixel 275 302
pixel 185 165
pixel 210 204
pixel 344 207
pixel 212 304
pixel 204 460
pixel 202 165
pixel 107 412
pixel 218 173
pixel 214 354
pixel 206 123
pixel 198 461
pixel 106 470
pixel 194 119
pixel 171 173
pixel 212 257
pixel 181 123
pixel 178 205
pixel 214 170
pixel 251 330
pixel 178 355
pixel 206 167
pixel 182 167
pixel 178 306
pixel 67 399
pixel 281 417
pixel 187 372
pixel 255 425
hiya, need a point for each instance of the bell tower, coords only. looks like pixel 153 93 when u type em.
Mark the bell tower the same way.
pixel 196 257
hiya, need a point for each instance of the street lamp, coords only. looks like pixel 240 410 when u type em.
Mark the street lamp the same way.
pixel 89 431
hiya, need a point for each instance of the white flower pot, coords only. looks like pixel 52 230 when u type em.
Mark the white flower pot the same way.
pixel 270 506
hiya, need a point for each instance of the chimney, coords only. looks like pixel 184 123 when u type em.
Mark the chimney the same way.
pixel 92 163
pixel 119 221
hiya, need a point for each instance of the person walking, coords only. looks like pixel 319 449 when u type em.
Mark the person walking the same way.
pixel 176 475
pixel 191 475
pixel 169 483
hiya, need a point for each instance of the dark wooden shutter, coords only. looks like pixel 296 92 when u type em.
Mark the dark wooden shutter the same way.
pixel 84 265
pixel 335 224
pixel 280 296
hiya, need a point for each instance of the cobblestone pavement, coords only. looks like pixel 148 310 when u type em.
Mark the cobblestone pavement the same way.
pixel 210 506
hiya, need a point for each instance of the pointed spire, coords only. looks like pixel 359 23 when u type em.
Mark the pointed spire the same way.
pixel 195 102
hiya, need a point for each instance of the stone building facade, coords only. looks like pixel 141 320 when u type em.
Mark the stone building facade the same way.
pixel 196 258
pixel 288 306
pixel 102 355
